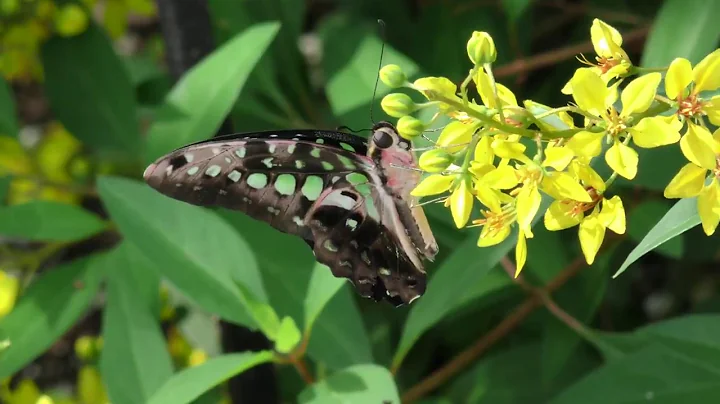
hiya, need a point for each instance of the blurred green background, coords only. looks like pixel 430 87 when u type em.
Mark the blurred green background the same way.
pixel 110 292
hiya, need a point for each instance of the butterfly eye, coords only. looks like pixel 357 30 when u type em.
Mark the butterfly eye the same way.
pixel 382 139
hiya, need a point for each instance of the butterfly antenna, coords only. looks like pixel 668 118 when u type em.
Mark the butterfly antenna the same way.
pixel 340 128
pixel 377 78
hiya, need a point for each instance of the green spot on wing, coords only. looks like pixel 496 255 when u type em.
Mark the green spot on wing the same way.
pixel 257 180
pixel 192 170
pixel 327 166
pixel 346 162
pixel 312 188
pixel 356 178
pixel 285 184
pixel 315 152
pixel 213 171
pixel 347 147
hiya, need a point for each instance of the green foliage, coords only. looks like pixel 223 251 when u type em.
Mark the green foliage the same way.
pixel 491 338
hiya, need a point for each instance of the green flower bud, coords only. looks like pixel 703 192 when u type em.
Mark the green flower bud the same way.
pixel 481 48
pixel 457 135
pixel 435 161
pixel 393 76
pixel 397 105
pixel 71 20
pixel 410 127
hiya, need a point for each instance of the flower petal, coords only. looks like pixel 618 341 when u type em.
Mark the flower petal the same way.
pixel 483 151
pixel 520 253
pixel 587 175
pixel 559 216
pixel 612 215
pixel 654 132
pixel 605 38
pixel 565 186
pixel 639 94
pixel 622 159
pixel 678 77
pixel 488 197
pixel 501 178
pixel 708 203
pixel 490 236
pixel 591 234
pixel 589 91
pixel 688 182
pixel 433 184
pixel 697 146
pixel 585 143
pixel 557 157
pixel 457 135
pixel 706 74
pixel 461 203
pixel 712 109
pixel 528 203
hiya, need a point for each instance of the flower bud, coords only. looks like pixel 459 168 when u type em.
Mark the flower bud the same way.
pixel 410 127
pixel 456 136
pixel 71 20
pixel 481 48
pixel 393 76
pixel 397 105
pixel 435 161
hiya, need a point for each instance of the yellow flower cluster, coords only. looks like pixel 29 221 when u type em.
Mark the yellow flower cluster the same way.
pixel 26 24
pixel 506 156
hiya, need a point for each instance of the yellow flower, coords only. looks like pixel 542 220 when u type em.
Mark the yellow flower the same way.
pixel 484 88
pixel 683 83
pixel 612 61
pixel 593 96
pixel 456 135
pixel 691 181
pixel 90 387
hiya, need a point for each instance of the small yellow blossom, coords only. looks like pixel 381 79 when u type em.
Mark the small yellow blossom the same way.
pixel 691 180
pixel 593 96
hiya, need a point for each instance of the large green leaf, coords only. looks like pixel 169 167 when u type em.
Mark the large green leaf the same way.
pixel 48 221
pixel 357 384
pixel 90 91
pixel 51 305
pixel 135 361
pixel 654 374
pixel 196 250
pixel 644 217
pixel 191 383
pixel 456 278
pixel 680 218
pixel 203 97
pixel 682 28
pixel 8 121
pixel 338 338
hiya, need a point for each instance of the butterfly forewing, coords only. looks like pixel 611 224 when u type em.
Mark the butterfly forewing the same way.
pixel 320 185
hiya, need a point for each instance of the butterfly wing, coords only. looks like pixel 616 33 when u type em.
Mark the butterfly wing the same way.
pixel 302 183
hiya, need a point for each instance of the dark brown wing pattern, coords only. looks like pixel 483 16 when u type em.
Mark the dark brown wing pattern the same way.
pixel 313 184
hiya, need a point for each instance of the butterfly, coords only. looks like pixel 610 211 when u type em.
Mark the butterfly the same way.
pixel 347 198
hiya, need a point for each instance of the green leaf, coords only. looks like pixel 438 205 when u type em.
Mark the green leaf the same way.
pixel 135 361
pixel 48 221
pixel 141 69
pixel 191 383
pixel 351 56
pixel 515 8
pixel 196 250
pixel 580 297
pixel 288 336
pixel 457 277
pixel 682 28
pixel 653 374
pixel 321 289
pixel 52 304
pixel 680 218
pixel 4 188
pixel 641 220
pixel 8 119
pixel 357 384
pixel 338 338
pixel 204 96
pixel 90 91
